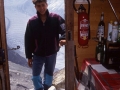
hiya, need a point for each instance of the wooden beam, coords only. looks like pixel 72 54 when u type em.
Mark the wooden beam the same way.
pixel 4 45
pixel 69 66
pixel 69 48
pixel 69 16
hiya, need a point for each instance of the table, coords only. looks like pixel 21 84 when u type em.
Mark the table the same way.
pixel 94 76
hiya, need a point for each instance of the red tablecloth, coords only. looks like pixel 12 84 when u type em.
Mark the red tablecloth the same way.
pixel 94 80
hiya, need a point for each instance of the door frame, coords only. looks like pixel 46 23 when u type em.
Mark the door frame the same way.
pixel 69 47
pixel 5 66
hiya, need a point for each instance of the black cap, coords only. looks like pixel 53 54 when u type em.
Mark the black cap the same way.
pixel 35 1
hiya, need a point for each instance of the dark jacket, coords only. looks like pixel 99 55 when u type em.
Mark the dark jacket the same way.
pixel 42 39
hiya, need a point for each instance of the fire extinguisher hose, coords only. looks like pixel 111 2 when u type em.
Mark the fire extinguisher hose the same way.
pixel 88 7
pixel 81 7
pixel 74 6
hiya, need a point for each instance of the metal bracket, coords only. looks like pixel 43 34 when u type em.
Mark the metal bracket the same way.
pixel 2 56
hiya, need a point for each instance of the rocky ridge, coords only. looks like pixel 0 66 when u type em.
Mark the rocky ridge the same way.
pixel 21 79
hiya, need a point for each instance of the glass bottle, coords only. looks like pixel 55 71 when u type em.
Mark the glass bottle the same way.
pixel 101 27
pixel 98 50
pixel 104 52
pixel 118 39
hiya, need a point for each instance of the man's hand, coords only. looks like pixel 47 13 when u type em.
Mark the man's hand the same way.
pixel 62 42
pixel 30 61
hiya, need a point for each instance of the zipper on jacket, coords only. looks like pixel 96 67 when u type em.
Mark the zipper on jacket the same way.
pixel 43 24
pixel 45 38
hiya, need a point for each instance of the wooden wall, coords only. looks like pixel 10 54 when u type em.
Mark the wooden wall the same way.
pixel 97 6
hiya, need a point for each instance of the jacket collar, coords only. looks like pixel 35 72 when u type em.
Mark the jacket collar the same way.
pixel 38 14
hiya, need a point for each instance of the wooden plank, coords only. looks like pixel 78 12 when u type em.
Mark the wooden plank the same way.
pixel 69 48
pixel 2 79
pixel 4 46
pixel 69 66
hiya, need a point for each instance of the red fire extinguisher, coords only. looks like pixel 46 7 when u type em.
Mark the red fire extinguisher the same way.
pixel 83 26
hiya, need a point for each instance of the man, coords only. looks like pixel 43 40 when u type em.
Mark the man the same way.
pixel 42 42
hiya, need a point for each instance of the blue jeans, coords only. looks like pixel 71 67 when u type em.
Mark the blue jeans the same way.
pixel 49 66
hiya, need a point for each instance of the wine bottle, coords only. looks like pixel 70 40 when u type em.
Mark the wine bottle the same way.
pixel 104 52
pixel 118 38
pixel 98 50
pixel 101 27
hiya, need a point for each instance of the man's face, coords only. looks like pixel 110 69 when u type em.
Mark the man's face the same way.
pixel 41 7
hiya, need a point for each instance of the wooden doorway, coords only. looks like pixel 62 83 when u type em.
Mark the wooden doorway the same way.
pixel 69 48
